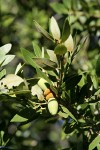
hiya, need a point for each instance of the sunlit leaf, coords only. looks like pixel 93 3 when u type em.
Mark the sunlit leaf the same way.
pixel 54 29
pixel 18 118
pixel 1 138
pixel 98 146
pixel 18 68
pixel 5 48
pixel 37 49
pixel 65 110
pixel 52 55
pixel 3 89
pixel 2 58
pixel 11 80
pixel 8 58
pixel 36 90
pixel 52 73
pixel 94 143
pixel 24 115
pixel 69 43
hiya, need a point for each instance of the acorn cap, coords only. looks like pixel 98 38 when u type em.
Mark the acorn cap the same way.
pixel 53 106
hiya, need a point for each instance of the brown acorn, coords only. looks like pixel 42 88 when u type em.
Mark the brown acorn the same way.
pixel 50 95
pixel 46 92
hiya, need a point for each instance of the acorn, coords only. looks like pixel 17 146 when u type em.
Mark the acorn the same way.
pixel 42 84
pixel 46 92
pixel 50 95
pixel 52 102
pixel 53 106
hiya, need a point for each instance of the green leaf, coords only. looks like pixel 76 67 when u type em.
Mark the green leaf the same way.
pixel 89 81
pixel 28 57
pixel 54 89
pixel 43 31
pixel 37 50
pixel 18 118
pixel 94 143
pixel 66 30
pixel 65 110
pixel 72 81
pixel 2 73
pixel 1 137
pixel 45 63
pixel 5 49
pixel 44 52
pixel 61 114
pixel 59 8
pixel 52 73
pixel 97 92
pixel 84 106
pixel 37 62
pixel 8 21
pixel 98 146
pixel 98 66
pixel 43 75
pixel 83 92
pixel 67 4
pixel 60 49
pixel 75 4
pixel 79 46
pixel 20 92
pixel 24 115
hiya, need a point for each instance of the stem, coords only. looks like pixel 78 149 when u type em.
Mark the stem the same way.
pixel 67 64
pixel 61 74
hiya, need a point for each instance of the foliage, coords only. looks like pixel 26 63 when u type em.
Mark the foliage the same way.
pixel 59 106
pixel 55 95
pixel 17 22
pixel 84 18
